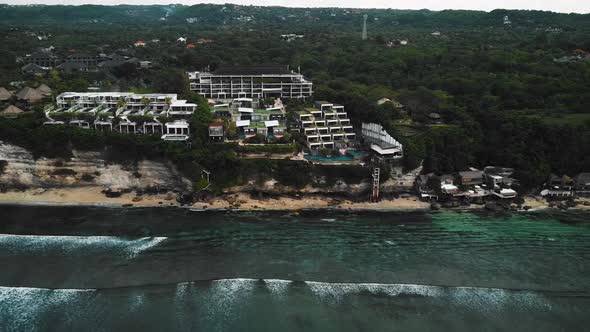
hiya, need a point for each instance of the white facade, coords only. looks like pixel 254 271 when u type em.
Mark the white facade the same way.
pixel 326 126
pixel 250 82
pixel 118 111
pixel 382 144
pixel 124 103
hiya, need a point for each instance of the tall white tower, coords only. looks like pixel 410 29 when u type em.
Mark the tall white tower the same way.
pixel 365 27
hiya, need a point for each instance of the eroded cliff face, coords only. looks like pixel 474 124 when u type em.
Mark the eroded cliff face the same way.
pixel 21 170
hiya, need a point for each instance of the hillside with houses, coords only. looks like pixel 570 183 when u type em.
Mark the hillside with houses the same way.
pixel 456 109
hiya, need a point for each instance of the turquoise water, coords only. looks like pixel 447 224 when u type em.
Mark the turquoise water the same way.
pixel 350 155
pixel 155 269
pixel 332 158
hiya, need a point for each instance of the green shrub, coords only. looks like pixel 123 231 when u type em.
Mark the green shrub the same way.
pixel 64 172
pixel 87 177
pixel 3 164
pixel 269 148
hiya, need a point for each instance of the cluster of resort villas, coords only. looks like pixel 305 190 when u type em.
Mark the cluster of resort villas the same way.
pixel 239 96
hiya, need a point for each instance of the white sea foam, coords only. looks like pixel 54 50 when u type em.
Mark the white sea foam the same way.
pixel 23 306
pixel 143 244
pixel 337 291
pixel 224 300
pixel 277 287
pixel 136 301
pixel 18 244
pixel 183 295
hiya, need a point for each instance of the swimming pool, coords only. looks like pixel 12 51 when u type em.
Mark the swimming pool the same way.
pixel 332 158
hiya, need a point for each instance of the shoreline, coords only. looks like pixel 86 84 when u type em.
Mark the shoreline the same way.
pixel 238 202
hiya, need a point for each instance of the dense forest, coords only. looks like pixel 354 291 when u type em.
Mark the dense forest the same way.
pixel 502 97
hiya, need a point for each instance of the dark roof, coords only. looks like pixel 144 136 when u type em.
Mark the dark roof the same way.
pixel 42 54
pixel 252 70
pixel 81 55
pixel 471 174
pixel 583 178
pixel 31 67
pixel 116 56
pixel 111 63
pixel 72 65
pixel 498 170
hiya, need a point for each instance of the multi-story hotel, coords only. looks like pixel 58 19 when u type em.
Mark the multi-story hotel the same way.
pixel 228 82
pixel 99 110
pixel 326 126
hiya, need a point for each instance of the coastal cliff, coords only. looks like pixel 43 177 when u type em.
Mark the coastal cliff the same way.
pixel 85 169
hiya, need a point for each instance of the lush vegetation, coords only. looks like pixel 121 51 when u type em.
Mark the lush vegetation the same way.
pixel 501 97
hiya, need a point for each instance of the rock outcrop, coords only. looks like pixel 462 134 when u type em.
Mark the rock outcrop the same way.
pixel 22 171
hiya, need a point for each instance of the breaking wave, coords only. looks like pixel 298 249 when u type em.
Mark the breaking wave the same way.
pixel 214 303
pixel 130 248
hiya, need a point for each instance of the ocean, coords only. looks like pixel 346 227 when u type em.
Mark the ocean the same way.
pixel 154 269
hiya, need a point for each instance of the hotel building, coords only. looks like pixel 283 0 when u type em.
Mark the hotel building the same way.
pixel 228 82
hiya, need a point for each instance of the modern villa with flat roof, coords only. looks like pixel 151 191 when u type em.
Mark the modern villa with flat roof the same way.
pixel 153 114
pixel 383 145
pixel 251 118
pixel 326 126
pixel 228 82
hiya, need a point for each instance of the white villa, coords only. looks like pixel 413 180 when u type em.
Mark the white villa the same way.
pixel 383 145
pixel 251 119
pixel 326 126
pixel 115 111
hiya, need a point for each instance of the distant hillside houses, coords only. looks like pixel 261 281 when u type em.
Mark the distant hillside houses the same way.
pixel 44 60
pixel 291 37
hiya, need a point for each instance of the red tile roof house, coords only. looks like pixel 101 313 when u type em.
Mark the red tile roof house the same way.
pixel 139 43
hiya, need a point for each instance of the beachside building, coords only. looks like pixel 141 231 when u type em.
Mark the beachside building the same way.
pixel 228 82
pixel 582 184
pixel 326 126
pixel 471 178
pixel 558 186
pixel 499 181
pixel 384 146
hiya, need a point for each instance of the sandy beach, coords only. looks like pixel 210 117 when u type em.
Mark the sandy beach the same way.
pixel 240 201
pixel 84 196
